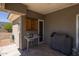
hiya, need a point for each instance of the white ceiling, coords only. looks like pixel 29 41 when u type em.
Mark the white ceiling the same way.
pixel 45 8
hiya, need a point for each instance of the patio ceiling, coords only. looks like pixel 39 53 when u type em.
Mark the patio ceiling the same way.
pixel 45 8
pixel 42 8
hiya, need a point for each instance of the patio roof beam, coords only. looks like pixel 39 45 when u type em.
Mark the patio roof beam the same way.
pixel 16 7
pixel 13 16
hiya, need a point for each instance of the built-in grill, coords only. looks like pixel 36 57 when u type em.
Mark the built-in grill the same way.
pixel 61 42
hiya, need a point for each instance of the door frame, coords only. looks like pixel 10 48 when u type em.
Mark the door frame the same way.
pixel 77 38
pixel 43 29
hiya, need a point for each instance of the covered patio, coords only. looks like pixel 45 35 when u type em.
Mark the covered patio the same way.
pixel 50 25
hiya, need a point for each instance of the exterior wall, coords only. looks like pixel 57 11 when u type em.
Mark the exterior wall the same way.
pixel 23 19
pixel 18 39
pixel 35 15
pixel 21 22
pixel 62 21
pixel 30 14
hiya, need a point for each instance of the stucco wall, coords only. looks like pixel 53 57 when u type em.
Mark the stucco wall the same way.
pixel 18 39
pixel 62 21
pixel 22 40
pixel 35 15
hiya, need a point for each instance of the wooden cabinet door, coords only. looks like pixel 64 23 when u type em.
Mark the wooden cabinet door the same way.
pixel 31 24
pixel 28 25
pixel 34 25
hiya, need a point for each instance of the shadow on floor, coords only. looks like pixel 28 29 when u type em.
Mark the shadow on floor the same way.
pixel 41 50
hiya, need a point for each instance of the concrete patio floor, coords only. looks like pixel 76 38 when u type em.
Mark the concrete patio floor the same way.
pixel 9 50
pixel 41 50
